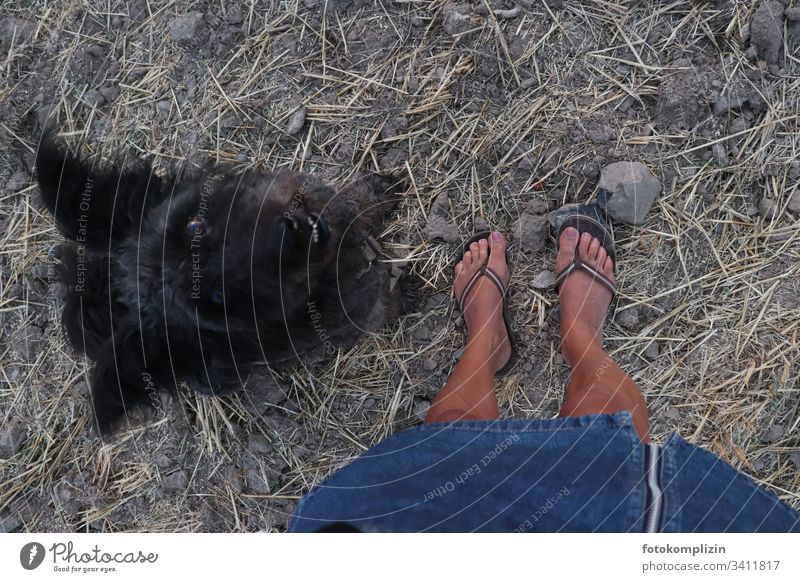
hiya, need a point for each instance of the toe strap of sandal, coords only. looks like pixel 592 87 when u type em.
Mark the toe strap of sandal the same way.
pixel 579 265
pixel 484 271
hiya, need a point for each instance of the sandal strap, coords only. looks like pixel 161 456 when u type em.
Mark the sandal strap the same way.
pixel 579 265
pixel 486 271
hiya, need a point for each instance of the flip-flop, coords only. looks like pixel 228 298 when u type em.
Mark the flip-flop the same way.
pixel 485 271
pixel 584 223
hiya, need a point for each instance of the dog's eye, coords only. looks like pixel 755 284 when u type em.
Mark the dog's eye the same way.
pixel 216 296
pixel 195 226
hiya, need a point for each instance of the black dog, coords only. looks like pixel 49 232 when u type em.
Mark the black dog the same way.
pixel 196 279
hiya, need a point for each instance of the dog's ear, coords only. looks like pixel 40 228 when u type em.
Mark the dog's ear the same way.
pixel 91 309
pixel 120 381
pixel 376 196
pixel 94 206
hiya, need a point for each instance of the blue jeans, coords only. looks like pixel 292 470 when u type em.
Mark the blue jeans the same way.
pixel 572 474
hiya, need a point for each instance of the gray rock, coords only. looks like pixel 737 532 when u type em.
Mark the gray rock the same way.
pixel 481 224
pixel 627 190
pixel 177 481
pixel 18 181
pixel 600 134
pixel 794 201
pixel 161 460
pixel 531 231
pixel 628 319
pixel 421 407
pixel 728 100
pixel 544 280
pixel 456 18
pixel 719 154
pixel 186 26
pixel 767 208
pixel 652 351
pixel 394 127
pixel 773 433
pixel 394 158
pixel 296 121
pixel 794 457
pixel 766 31
pixel 439 227
pixel 9 521
pixel 12 436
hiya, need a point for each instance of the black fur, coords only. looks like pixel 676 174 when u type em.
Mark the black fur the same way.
pixel 178 279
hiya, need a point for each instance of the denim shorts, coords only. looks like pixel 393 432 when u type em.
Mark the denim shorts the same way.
pixel 572 474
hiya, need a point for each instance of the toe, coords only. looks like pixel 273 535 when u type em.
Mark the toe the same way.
pixel 566 248
pixel 497 256
pixel 466 260
pixel 591 254
pixel 459 268
pixel 583 245
pixel 601 258
pixel 483 250
pixel 608 268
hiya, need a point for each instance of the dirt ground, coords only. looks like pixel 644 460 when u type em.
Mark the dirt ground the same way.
pixel 498 112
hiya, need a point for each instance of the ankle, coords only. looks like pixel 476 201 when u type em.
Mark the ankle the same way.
pixel 578 343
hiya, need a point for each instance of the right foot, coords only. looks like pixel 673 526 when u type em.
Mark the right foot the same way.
pixel 584 301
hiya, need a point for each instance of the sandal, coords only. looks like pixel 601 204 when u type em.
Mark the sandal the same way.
pixel 485 271
pixel 584 223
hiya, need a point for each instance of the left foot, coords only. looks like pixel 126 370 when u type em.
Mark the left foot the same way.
pixel 483 310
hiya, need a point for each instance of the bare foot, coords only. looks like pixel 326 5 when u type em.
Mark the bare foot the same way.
pixel 584 301
pixel 483 311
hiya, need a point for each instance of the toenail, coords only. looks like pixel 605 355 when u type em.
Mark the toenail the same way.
pixel 571 232
pixel 495 235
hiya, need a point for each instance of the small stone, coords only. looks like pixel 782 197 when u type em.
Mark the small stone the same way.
pixel 12 436
pixel 177 481
pixel 186 26
pixel 526 164
pixel 794 201
pixel 481 224
pixel 627 190
pixel 421 407
pixel 296 121
pixel 544 280
pixel 9 521
pixel 234 15
pixel 652 351
pixel 792 14
pixel 94 98
pixel 18 181
pixel 531 231
pixel 394 127
pixel 720 155
pixel 429 364
pixel 767 208
pixel 773 433
pixel 794 457
pixel 257 482
pixel 161 460
pixel 766 31
pixel 455 18
pixel 629 319
pixel 394 158
pixel 601 134
pixel 116 22
pixel 440 228
pixel 673 413
pixel 163 106
pixel 422 333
